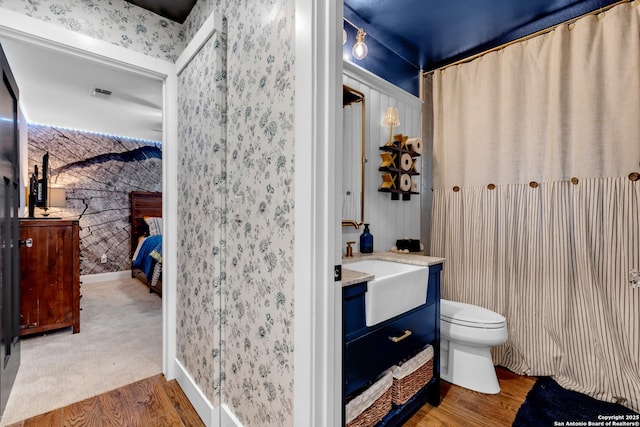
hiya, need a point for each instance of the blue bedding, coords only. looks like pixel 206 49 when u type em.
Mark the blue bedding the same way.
pixel 150 251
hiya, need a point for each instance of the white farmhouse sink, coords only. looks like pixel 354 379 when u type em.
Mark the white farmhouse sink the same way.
pixel 396 289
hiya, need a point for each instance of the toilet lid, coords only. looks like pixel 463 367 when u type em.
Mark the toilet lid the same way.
pixel 473 316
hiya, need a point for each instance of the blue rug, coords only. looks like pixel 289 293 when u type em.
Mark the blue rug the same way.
pixel 548 404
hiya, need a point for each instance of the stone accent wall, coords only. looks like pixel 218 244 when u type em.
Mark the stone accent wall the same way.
pixel 98 172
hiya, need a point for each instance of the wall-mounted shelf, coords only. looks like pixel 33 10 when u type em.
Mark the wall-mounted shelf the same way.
pixel 395 194
pixel 397 167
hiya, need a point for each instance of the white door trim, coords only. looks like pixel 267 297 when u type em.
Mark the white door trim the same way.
pixel 318 352
pixel 211 415
pixel 20 27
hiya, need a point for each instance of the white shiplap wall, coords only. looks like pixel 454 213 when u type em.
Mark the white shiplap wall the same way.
pixel 390 219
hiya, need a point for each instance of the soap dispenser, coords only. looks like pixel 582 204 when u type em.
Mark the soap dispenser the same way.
pixel 366 241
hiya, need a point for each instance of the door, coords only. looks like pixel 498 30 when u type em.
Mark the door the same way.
pixel 9 233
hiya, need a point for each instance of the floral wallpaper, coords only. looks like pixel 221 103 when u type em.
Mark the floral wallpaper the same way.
pixel 257 294
pixel 237 227
pixel 113 21
pixel 201 215
pixel 258 333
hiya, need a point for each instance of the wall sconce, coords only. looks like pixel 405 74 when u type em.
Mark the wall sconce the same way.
pixel 391 119
pixel 360 49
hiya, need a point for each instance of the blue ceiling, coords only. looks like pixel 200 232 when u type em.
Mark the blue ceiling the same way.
pixel 429 34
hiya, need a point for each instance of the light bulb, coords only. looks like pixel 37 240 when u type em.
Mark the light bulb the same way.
pixel 344 36
pixel 360 49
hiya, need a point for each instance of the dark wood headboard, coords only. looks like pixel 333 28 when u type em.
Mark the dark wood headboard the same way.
pixel 143 203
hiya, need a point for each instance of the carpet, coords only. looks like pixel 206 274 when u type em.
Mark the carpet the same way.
pixel 548 404
pixel 120 342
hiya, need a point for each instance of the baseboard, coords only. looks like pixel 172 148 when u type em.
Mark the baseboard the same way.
pixel 228 419
pixel 210 415
pixel 105 277
pixel 200 403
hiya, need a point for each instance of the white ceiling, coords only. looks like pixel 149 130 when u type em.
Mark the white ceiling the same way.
pixel 57 89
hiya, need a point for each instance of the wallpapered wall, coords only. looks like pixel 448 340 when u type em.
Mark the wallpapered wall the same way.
pixel 257 293
pixel 97 172
pixel 257 260
pixel 201 212
pixel 113 21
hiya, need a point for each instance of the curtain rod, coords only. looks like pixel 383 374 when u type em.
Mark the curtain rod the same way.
pixel 532 35
pixel 350 23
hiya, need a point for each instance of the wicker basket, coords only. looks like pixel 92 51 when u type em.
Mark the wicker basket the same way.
pixel 370 407
pixel 412 376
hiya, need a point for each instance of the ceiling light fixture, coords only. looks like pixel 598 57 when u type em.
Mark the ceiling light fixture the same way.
pixel 359 49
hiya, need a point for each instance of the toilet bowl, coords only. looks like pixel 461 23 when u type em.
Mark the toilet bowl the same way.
pixel 467 333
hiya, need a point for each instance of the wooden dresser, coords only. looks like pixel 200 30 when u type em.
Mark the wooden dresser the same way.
pixel 49 275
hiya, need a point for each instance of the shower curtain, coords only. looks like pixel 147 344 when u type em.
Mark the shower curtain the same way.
pixel 536 200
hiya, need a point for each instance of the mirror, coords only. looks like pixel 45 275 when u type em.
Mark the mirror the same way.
pixel 353 159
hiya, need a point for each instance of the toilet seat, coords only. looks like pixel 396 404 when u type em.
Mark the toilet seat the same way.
pixel 471 316
pixel 467 333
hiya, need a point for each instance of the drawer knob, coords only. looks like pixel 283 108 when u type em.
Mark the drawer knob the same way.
pixel 407 334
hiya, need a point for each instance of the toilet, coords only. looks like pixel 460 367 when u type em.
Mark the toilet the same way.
pixel 467 333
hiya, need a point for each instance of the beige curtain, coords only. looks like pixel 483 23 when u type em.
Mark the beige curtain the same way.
pixel 534 208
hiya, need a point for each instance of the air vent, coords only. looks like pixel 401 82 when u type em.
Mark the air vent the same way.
pixel 102 93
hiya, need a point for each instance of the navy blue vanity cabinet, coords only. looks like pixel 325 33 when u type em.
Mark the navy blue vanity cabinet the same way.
pixel 369 351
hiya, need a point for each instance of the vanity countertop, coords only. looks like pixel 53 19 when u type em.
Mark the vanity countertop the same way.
pixel 351 277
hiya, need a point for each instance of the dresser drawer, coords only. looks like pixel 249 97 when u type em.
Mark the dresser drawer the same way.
pixel 370 354
pixel 49 275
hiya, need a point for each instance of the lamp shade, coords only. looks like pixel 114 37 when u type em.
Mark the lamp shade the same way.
pixel 391 118
pixel 57 197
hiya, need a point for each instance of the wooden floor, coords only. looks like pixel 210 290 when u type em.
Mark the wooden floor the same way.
pixel 460 407
pixel 158 402
pixel 150 402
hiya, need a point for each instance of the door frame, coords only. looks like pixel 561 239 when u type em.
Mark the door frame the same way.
pixel 317 332
pixel 318 131
pixel 23 28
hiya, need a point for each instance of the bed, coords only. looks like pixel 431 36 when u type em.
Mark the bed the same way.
pixel 146 238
